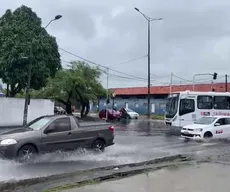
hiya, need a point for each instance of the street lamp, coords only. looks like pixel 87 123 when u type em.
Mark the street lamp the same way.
pixel 55 18
pixel 149 19
pixel 27 97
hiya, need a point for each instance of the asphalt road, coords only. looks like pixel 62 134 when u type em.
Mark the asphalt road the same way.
pixel 135 142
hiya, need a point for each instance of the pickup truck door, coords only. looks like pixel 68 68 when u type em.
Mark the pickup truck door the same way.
pixel 58 136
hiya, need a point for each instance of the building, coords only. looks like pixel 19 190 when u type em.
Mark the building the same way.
pixel 135 98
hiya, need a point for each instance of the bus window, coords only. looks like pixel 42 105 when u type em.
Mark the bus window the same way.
pixel 222 102
pixel 186 106
pixel 204 102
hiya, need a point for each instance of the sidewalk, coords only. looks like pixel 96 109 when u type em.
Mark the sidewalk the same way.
pixel 199 178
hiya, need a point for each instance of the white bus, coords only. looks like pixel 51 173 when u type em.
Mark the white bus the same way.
pixel 183 108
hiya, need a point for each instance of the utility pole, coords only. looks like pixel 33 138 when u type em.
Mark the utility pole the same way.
pixel 27 98
pixel 149 20
pixel 149 69
pixel 226 83
pixel 171 77
pixel 28 87
pixel 107 93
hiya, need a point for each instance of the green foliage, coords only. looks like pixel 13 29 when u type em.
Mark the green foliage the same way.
pixel 80 83
pixel 23 40
pixel 90 87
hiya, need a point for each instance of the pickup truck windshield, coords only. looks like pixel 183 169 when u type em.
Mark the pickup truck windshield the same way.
pixel 40 123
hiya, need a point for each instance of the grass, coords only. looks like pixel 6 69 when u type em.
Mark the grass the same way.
pixel 158 117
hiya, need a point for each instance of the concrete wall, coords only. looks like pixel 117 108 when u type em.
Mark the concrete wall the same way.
pixel 134 103
pixel 11 110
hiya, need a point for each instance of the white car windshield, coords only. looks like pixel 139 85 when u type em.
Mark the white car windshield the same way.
pixel 40 123
pixel 205 120
pixel 129 110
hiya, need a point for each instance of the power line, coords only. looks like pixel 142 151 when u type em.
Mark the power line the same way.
pixel 123 77
pixel 88 61
pixel 129 60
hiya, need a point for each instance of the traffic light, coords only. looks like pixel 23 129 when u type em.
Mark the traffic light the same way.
pixel 214 76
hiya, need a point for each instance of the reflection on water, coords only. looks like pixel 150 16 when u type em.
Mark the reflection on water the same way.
pixel 141 127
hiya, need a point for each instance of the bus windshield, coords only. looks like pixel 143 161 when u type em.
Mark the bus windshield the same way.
pixel 171 105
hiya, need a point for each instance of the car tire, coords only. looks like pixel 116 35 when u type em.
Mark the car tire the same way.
pixel 186 140
pixel 26 152
pixel 99 145
pixel 208 135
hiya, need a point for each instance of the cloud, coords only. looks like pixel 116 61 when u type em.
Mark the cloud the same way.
pixel 192 38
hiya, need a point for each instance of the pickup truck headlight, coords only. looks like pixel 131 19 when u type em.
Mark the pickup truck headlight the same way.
pixel 198 130
pixel 8 142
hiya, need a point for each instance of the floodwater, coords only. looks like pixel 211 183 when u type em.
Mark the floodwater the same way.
pixel 197 178
pixel 134 142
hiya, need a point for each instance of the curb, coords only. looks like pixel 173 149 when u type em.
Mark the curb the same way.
pixel 112 176
pixel 14 185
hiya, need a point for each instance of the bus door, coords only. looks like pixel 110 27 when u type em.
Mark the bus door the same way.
pixel 186 111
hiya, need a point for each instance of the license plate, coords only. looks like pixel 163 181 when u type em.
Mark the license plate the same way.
pixel 186 132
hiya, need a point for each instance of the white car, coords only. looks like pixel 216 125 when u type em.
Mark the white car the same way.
pixel 132 114
pixel 208 127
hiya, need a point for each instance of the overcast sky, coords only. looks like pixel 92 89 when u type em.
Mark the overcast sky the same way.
pixel 194 36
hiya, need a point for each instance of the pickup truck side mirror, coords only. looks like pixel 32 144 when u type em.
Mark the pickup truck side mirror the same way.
pixel 217 124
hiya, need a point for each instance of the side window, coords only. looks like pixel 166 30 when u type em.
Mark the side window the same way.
pixel 186 106
pixel 60 125
pixel 227 121
pixel 221 102
pixel 204 102
pixel 221 121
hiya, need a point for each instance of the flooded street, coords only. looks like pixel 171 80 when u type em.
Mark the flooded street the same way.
pixel 197 178
pixel 134 142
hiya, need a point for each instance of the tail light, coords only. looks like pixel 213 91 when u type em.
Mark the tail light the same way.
pixel 111 128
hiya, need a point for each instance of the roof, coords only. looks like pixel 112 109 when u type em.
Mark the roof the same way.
pixel 164 90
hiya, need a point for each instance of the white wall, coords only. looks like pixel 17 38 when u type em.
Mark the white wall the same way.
pixel 11 110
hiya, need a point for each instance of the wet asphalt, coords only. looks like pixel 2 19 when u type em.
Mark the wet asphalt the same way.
pixel 135 141
pixel 197 178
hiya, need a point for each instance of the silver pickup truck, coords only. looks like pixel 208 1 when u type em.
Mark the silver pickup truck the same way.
pixel 51 133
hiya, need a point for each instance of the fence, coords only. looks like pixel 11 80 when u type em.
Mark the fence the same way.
pixel 11 110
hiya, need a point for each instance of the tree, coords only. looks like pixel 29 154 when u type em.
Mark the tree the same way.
pixel 61 88
pixel 23 40
pixel 80 83
pixel 90 87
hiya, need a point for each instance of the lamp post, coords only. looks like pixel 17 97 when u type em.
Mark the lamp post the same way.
pixel 149 19
pixel 25 114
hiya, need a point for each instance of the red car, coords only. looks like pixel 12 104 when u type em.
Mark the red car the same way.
pixel 112 114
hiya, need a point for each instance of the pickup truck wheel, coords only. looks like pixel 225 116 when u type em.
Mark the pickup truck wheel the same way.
pixel 26 152
pixel 98 145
